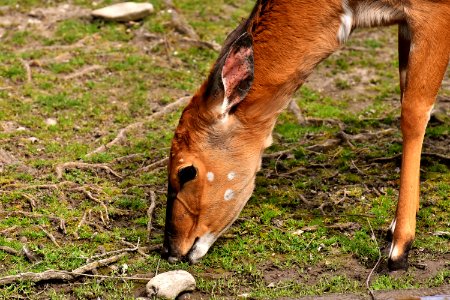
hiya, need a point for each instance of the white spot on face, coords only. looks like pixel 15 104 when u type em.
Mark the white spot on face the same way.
pixel 201 247
pixel 346 23
pixel 229 194
pixel 231 175
pixel 181 160
pixel 210 176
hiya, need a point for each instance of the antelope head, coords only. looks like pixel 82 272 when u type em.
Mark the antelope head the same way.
pixel 214 157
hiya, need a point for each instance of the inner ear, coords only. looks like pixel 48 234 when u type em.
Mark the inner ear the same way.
pixel 237 72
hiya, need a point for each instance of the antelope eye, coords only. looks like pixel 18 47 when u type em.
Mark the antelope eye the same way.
pixel 186 174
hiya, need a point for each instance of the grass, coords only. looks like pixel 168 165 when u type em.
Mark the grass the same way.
pixel 281 245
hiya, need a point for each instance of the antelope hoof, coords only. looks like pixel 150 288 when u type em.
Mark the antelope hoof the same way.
pixel 398 258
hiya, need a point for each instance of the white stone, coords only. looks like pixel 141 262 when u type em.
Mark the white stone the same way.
pixel 170 284
pixel 124 12
pixel 51 121
pixel 33 139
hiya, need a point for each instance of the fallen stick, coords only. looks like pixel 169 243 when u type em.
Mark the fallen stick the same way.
pixel 90 196
pixel 50 236
pixel 99 263
pixel 10 250
pixel 82 72
pixel 62 275
pixel 121 135
pixel 150 213
pixel 153 166
pixel 61 168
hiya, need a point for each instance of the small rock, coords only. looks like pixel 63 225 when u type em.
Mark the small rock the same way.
pixel 33 139
pixel 51 121
pixel 21 128
pixel 124 12
pixel 170 284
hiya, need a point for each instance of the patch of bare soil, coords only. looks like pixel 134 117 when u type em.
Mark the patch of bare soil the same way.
pixel 41 19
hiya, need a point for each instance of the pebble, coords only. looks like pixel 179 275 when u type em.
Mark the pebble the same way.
pixel 33 139
pixel 170 284
pixel 51 121
pixel 124 12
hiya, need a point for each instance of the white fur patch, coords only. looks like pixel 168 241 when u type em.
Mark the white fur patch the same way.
pixel 375 13
pixel 210 176
pixel 346 23
pixel 392 226
pixel 229 194
pixel 394 253
pixel 201 247
pixel 231 176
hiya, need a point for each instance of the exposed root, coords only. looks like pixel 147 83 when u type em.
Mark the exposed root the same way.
pixel 82 72
pixel 61 168
pixel 8 230
pixel 90 196
pixel 81 223
pixel 10 250
pixel 150 213
pixel 31 199
pixel 99 263
pixel 153 166
pixel 121 136
pixel 62 275
pixel 32 257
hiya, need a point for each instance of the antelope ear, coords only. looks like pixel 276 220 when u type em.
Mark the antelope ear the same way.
pixel 237 72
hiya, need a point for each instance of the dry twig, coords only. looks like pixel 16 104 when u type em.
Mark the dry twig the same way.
pixel 64 275
pixel 154 166
pixel 9 250
pixel 90 196
pixel 121 136
pixel 50 236
pixel 82 72
pixel 150 213
pixel 61 168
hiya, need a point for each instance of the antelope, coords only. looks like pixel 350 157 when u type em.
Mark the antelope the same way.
pixel 222 133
